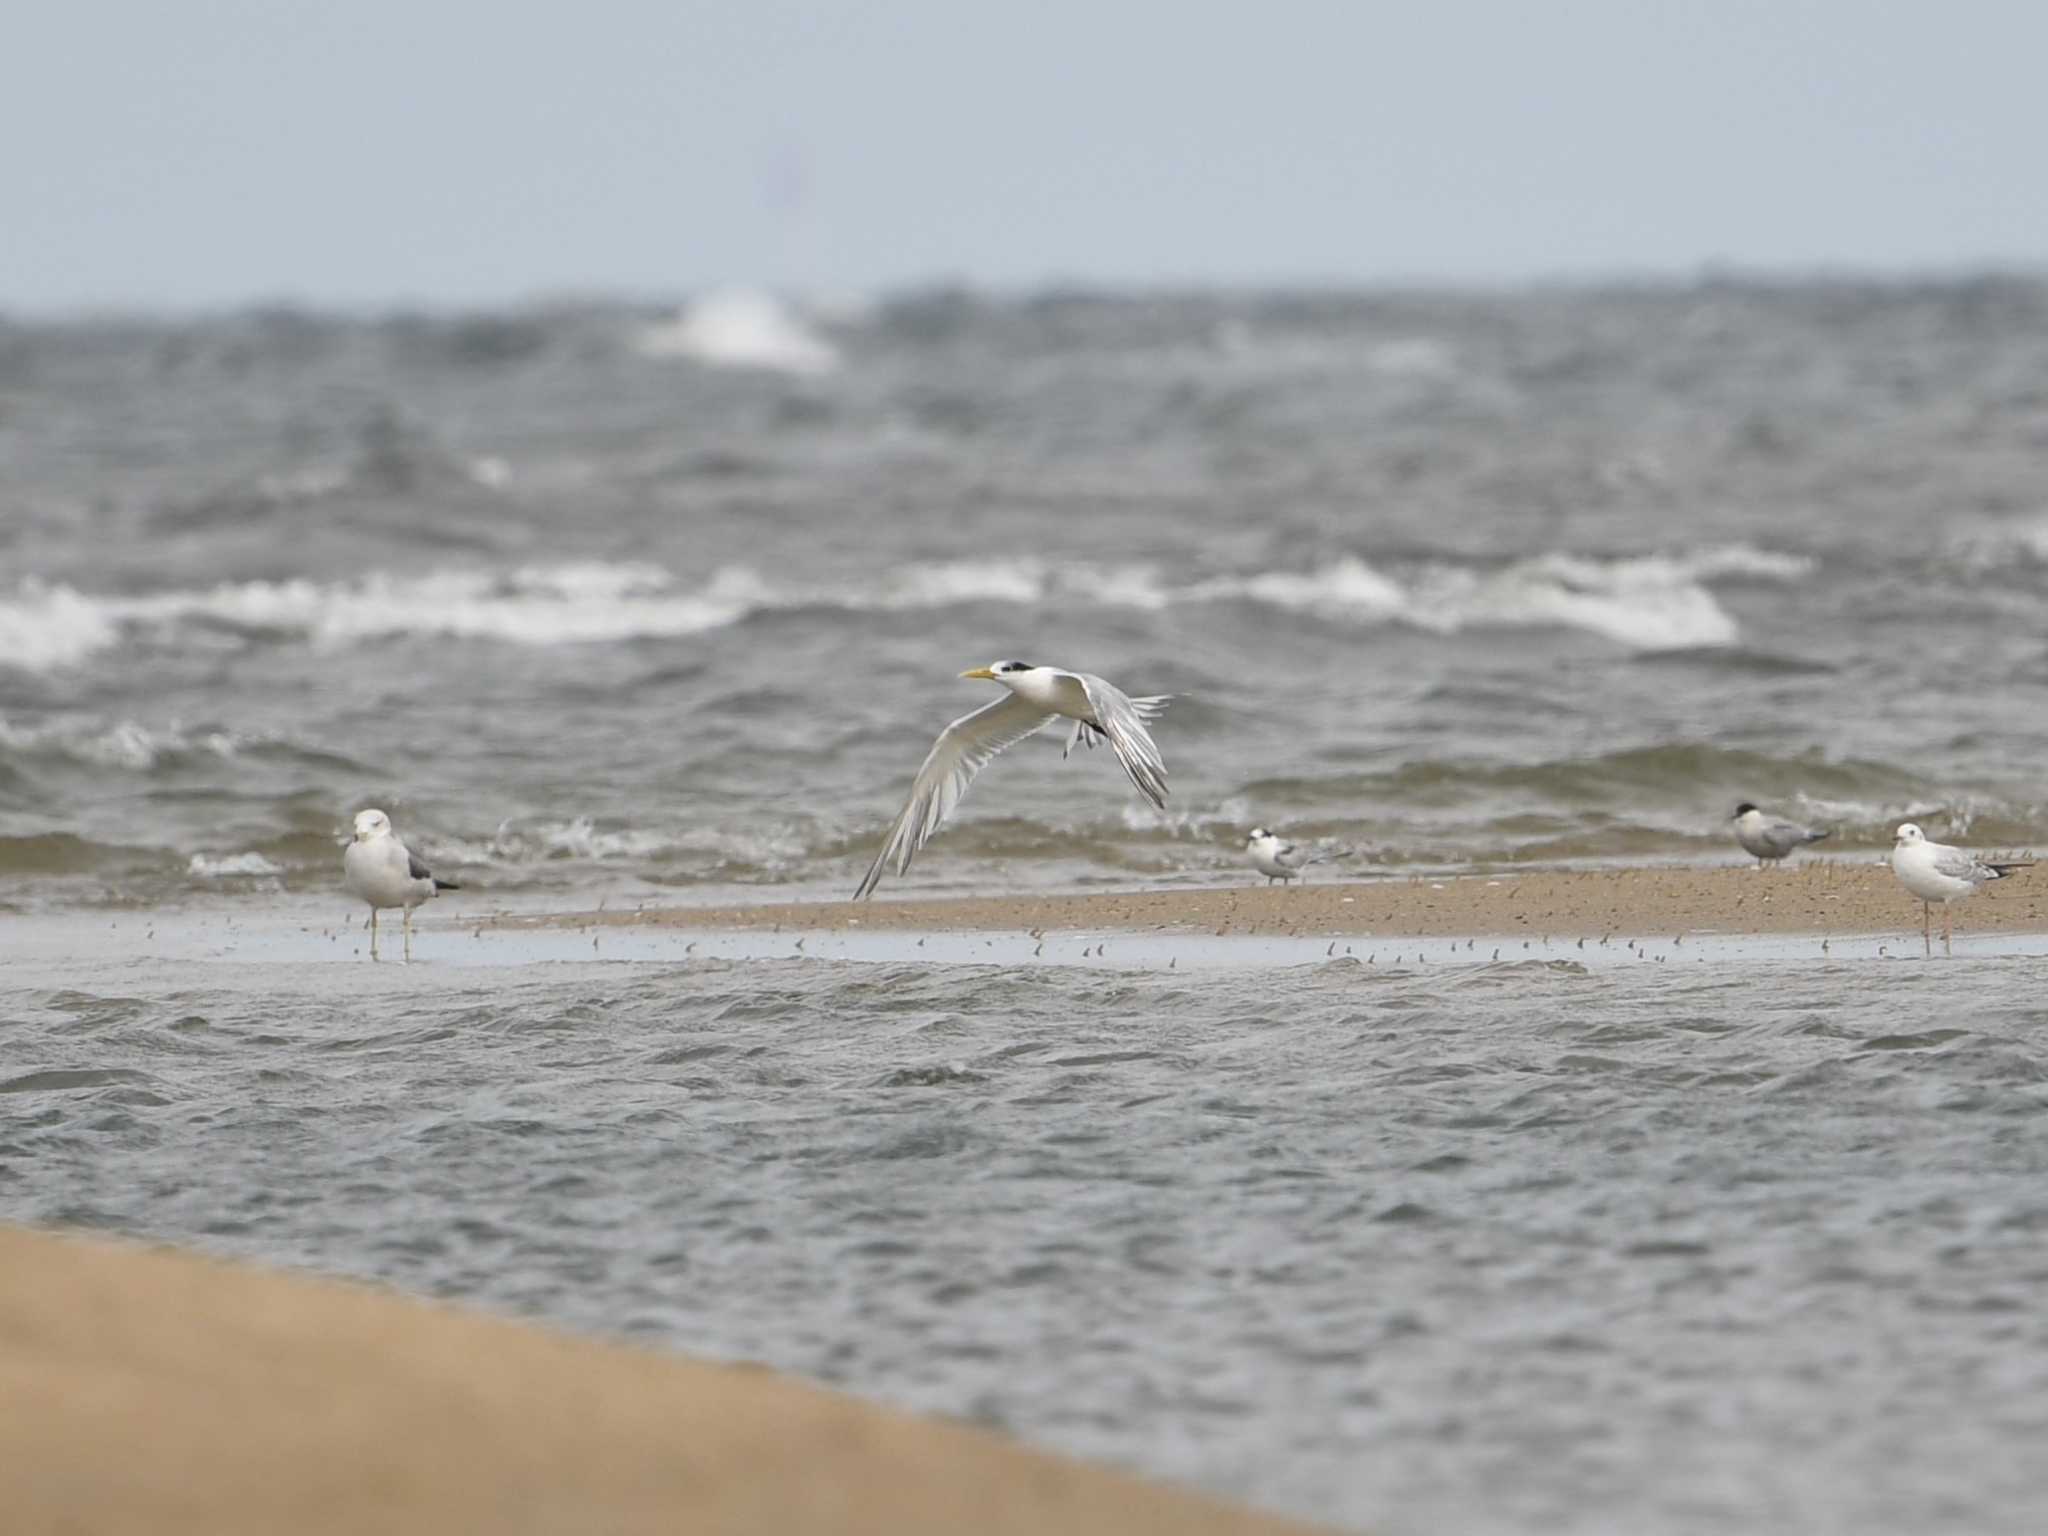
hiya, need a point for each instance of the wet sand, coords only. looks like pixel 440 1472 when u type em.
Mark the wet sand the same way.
pixel 147 1390
pixel 1817 896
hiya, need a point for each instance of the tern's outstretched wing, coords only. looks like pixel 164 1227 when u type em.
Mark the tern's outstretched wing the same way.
pixel 1122 719
pixel 963 749
pixel 1151 707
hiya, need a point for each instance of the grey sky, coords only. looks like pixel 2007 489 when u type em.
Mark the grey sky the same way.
pixel 472 151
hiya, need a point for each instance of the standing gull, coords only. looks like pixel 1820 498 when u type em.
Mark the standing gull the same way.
pixel 1770 840
pixel 385 873
pixel 1100 712
pixel 1937 872
pixel 1274 859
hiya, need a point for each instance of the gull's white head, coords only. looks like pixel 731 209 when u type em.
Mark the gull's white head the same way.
pixel 1744 809
pixel 1908 834
pixel 1000 671
pixel 1256 835
pixel 371 824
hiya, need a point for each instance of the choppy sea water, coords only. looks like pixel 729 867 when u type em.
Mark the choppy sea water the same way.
pixel 607 605
pixel 600 596
pixel 1741 1244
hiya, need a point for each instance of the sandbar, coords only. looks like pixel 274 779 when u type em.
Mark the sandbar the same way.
pixel 1816 896
pixel 158 1391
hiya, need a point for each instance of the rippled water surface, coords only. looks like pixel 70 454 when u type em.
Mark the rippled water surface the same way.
pixel 589 597
pixel 1713 1245
pixel 606 604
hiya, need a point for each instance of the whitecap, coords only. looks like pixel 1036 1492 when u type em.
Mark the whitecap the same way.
pixel 577 837
pixel 741 328
pixel 535 605
pixel 1647 602
pixel 44 626
pixel 232 866
pixel 1644 604
pixel 124 744
pixel 1194 821
pixel 1719 560
pixel 1991 545
pixel 1345 588
pixel 1652 602
pixel 938 584
pixel 582 839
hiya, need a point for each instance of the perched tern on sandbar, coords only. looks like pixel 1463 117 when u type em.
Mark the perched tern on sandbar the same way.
pixel 1770 840
pixel 1273 858
pixel 1100 712
pixel 385 873
pixel 1937 872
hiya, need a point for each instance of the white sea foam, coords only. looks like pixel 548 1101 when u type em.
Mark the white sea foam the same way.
pixel 44 626
pixel 938 584
pixel 1344 588
pixel 1653 602
pixel 1989 545
pixel 1722 560
pixel 526 841
pixel 577 838
pixel 232 866
pixel 543 605
pixel 741 328
pixel 1188 821
pixel 125 744
pixel 1645 604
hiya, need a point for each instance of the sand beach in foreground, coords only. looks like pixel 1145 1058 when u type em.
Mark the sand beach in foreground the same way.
pixel 151 1390
pixel 1819 896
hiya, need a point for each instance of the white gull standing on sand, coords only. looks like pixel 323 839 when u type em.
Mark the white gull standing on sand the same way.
pixel 1037 695
pixel 385 873
pixel 1937 872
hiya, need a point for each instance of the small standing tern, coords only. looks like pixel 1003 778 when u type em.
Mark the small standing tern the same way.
pixel 385 873
pixel 1037 695
pixel 1274 859
pixel 1771 840
pixel 1937 872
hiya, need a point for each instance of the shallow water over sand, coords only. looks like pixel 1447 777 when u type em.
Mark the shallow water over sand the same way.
pixel 1745 1243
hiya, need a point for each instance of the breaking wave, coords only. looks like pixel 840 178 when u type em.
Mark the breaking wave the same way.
pixel 121 744
pixel 232 866
pixel 742 328
pixel 557 605
pixel 1650 603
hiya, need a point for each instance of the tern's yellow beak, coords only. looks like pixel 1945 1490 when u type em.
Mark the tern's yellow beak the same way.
pixel 980 672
